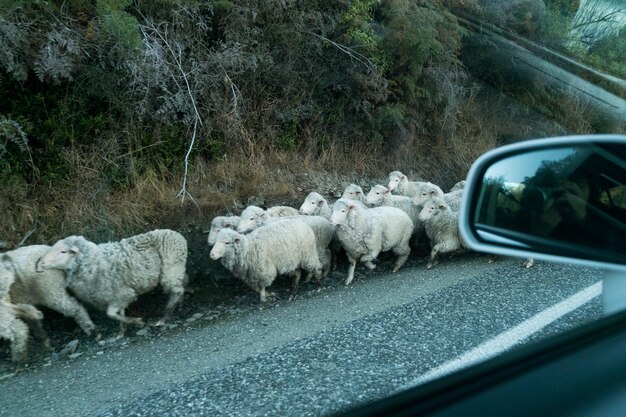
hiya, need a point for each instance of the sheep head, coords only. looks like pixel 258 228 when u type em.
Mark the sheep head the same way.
pixel 312 203
pixel 376 195
pixel 426 192
pixel 60 256
pixel 432 208
pixel 395 178
pixel 251 218
pixel 353 192
pixel 342 210
pixel 227 242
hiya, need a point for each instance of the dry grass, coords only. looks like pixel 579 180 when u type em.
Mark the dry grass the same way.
pixel 89 203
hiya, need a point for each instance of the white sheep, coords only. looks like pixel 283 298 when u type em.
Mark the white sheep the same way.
pixel 14 329
pixel 365 232
pixel 429 190
pixel 315 205
pixel 46 288
pixel 353 192
pixel 379 195
pixel 221 222
pixel 442 228
pixel 254 217
pixel 400 184
pixel 112 275
pixel 280 247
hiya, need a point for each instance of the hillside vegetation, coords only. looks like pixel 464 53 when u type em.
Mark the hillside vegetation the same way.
pixel 118 116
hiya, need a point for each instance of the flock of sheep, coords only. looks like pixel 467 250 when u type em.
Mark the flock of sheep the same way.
pixel 256 247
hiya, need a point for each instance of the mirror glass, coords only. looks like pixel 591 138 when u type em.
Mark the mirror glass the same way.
pixel 567 201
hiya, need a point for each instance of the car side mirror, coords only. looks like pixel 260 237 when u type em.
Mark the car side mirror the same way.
pixel 557 199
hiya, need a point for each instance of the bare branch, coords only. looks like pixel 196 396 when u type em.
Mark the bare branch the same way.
pixel 177 56
pixel 350 52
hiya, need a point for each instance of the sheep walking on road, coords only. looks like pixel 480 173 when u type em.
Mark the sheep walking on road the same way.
pixel 46 288
pixel 254 217
pixel 281 247
pixel 442 228
pixel 112 275
pixel 316 205
pixel 365 232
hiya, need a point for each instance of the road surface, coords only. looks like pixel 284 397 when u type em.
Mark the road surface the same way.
pixel 321 353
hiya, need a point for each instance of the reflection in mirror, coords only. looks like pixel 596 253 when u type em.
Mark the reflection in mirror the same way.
pixel 568 201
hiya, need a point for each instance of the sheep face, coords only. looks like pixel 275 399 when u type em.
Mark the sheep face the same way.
pixel 341 211
pixel 312 203
pixel 219 223
pixel 60 256
pixel 376 195
pixel 353 192
pixel 251 218
pixel 432 208
pixel 427 191
pixel 225 244
pixel 395 178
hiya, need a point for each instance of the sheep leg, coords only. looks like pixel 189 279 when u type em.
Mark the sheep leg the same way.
pixel 122 331
pixel 32 317
pixel 116 312
pixel 432 261
pixel 38 332
pixel 70 307
pixel 369 264
pixel 443 247
pixel 319 278
pixel 294 285
pixel 351 269
pixel 19 341
pixel 175 297
pixel 399 262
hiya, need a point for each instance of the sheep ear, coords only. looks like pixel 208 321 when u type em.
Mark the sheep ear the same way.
pixel 386 191
pixel 237 240
pixel 320 203
pixel 403 177
pixel 74 250
pixel 442 206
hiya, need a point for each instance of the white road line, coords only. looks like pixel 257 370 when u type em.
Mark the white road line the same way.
pixel 508 339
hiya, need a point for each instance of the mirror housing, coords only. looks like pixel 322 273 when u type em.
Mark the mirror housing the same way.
pixel 557 199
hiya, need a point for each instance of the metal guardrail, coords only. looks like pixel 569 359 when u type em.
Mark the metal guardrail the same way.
pixel 514 64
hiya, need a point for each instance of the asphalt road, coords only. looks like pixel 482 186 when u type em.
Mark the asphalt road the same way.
pixel 322 353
